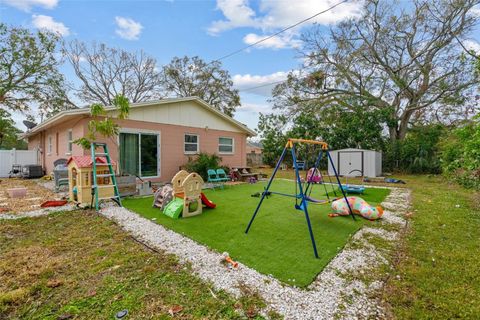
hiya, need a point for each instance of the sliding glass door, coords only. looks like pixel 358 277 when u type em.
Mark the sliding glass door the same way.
pixel 139 154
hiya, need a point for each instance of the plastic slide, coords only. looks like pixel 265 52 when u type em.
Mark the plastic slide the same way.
pixel 207 202
pixel 174 209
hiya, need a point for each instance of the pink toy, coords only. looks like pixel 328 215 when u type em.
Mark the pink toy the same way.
pixel 314 176
pixel 358 206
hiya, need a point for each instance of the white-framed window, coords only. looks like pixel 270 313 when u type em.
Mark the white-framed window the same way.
pixel 49 145
pixel 191 143
pixel 225 145
pixel 69 141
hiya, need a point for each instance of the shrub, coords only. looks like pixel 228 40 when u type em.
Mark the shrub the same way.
pixel 202 162
pixel 418 153
pixel 460 154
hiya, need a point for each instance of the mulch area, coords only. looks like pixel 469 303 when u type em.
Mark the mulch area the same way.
pixel 36 195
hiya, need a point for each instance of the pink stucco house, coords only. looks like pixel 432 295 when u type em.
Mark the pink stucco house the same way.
pixel 156 139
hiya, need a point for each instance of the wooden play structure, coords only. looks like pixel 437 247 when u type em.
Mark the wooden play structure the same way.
pixel 187 187
pixel 80 179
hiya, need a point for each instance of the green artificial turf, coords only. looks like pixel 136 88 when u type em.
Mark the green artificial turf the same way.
pixel 278 242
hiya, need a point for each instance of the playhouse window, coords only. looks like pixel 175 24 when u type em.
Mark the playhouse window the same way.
pixel 191 144
pixel 139 154
pixel 225 145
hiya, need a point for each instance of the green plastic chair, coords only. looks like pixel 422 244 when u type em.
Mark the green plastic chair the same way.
pixel 222 175
pixel 214 179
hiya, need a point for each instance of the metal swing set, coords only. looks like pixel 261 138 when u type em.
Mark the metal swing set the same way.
pixel 303 189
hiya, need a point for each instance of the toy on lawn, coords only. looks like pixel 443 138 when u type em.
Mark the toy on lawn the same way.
pixel 303 190
pixel 352 188
pixel 183 197
pixel 229 261
pixel 163 196
pixel 80 173
pixel 359 206
pixel 314 176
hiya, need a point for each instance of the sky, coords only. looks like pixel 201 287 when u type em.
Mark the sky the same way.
pixel 210 29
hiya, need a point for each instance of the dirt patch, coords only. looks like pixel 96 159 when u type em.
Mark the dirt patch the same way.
pixel 36 195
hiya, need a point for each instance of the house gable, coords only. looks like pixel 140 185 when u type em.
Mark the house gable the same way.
pixel 190 113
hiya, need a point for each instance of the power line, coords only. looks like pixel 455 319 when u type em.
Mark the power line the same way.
pixel 262 85
pixel 279 32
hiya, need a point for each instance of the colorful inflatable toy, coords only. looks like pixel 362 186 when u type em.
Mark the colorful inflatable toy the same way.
pixel 359 206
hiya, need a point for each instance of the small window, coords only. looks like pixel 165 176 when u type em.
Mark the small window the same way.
pixel 225 145
pixel 191 143
pixel 69 141
pixel 50 145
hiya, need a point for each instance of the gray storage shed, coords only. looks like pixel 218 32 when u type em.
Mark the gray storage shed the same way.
pixel 356 162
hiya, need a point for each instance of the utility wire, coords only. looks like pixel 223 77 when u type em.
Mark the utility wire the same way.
pixel 279 32
pixel 262 85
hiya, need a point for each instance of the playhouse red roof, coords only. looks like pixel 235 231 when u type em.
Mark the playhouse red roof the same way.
pixel 86 161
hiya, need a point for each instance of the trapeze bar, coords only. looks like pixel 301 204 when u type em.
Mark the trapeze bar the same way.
pixel 324 144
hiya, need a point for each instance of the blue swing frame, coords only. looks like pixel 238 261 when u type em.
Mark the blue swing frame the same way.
pixel 302 195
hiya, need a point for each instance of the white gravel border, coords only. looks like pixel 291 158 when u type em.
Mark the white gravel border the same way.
pixel 334 293
pixel 37 213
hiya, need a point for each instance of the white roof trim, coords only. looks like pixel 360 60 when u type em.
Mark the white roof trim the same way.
pixel 86 111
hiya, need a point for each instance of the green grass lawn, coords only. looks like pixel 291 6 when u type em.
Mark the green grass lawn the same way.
pixel 278 242
pixel 79 265
pixel 438 275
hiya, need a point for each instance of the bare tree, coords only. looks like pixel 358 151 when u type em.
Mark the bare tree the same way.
pixel 108 72
pixel 187 76
pixel 404 62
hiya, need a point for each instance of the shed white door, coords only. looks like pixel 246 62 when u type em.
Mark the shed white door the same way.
pixel 349 161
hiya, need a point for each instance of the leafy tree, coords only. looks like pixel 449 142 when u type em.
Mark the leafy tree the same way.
pixel 186 76
pixel 108 72
pixel 271 130
pixel 105 127
pixel 29 73
pixel 403 61
pixel 9 133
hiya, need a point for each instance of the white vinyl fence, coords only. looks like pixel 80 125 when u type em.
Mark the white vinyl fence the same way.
pixel 10 157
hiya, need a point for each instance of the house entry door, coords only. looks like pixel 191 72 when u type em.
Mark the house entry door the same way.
pixel 139 154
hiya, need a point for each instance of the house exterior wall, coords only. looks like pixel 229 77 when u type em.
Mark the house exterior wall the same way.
pixel 185 113
pixel 171 155
pixel 59 136
pixel 253 149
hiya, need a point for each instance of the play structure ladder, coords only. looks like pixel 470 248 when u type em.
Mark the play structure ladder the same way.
pixel 111 174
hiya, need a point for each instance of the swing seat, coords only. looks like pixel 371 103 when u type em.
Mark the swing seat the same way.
pixel 316 201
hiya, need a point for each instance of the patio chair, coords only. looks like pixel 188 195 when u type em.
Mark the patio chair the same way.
pixel 214 179
pixel 222 175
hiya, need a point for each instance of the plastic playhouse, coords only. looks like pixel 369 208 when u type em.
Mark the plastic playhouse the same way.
pixel 80 177
pixel 184 197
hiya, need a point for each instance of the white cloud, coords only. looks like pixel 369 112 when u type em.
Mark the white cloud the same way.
pixel 472 45
pixel 274 14
pixel 277 42
pixel 254 107
pixel 26 5
pixel 247 81
pixel 128 28
pixel 47 23
pixel 237 14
